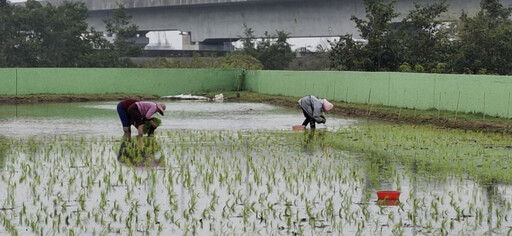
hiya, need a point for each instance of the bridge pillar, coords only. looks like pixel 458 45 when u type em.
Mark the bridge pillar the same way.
pixel 221 44
pixel 216 45
pixel 186 43
pixel 140 39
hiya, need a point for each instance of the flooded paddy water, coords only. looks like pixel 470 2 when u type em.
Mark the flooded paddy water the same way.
pixel 239 169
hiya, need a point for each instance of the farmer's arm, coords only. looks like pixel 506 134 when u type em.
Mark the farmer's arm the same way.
pixel 317 112
pixel 140 130
pixel 320 119
pixel 152 123
pixel 147 109
pixel 151 112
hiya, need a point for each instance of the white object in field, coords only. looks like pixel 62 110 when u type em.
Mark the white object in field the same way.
pixel 219 97
pixel 187 97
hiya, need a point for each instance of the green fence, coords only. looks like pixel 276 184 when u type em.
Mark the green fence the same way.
pixel 464 93
pixel 161 82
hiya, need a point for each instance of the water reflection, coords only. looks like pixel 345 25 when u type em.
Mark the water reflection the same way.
pixel 140 152
pixel 3 151
pixel 496 206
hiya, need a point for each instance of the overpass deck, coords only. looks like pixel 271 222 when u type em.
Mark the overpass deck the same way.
pixel 99 5
pixel 221 21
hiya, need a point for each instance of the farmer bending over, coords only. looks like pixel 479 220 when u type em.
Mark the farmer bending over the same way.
pixel 313 107
pixel 140 112
pixel 122 110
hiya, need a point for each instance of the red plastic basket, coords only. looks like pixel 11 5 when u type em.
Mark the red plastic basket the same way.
pixel 298 127
pixel 388 195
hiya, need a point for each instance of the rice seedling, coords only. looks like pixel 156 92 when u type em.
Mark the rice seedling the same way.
pixel 259 182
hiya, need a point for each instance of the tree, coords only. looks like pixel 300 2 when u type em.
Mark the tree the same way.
pixel 248 41
pixel 274 52
pixel 382 46
pixel 346 54
pixel 240 60
pixel 123 32
pixel 7 32
pixel 61 31
pixel 37 35
pixel 485 41
pixel 423 40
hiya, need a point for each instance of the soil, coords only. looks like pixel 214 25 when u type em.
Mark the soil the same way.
pixel 361 112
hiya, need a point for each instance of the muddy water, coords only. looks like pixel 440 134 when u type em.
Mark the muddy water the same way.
pixel 220 169
pixel 101 119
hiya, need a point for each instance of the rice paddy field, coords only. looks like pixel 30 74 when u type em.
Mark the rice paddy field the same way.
pixel 239 169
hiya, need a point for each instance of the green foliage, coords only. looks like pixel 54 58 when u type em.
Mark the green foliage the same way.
pixel 380 51
pixel 147 125
pixel 476 45
pixel 485 41
pixel 139 152
pixel 195 62
pixel 202 62
pixel 240 60
pixel 405 67
pixel 3 151
pixel 248 41
pixel 124 33
pixel 423 40
pixel 419 68
pixel 439 68
pixel 346 54
pixel 37 35
pixel 272 51
pixel 159 62
pixel 482 71
pixel 315 61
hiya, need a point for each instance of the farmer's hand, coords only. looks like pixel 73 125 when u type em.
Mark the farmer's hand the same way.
pixel 153 124
pixel 151 131
pixel 322 119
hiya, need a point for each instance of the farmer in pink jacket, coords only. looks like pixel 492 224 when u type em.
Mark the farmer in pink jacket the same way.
pixel 140 112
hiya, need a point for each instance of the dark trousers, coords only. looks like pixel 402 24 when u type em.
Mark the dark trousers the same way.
pixel 309 120
pixel 136 118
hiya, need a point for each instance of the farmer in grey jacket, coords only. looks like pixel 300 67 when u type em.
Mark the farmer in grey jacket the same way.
pixel 313 107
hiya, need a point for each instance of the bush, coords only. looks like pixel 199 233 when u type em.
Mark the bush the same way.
pixel 405 67
pixel 240 60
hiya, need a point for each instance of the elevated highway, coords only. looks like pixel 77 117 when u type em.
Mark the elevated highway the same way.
pixel 212 24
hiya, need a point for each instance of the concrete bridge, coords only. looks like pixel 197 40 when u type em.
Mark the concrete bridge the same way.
pixel 213 24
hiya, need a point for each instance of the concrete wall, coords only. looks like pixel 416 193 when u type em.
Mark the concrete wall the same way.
pixel 464 93
pixel 161 82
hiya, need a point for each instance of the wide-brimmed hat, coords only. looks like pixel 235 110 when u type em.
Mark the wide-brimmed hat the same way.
pixel 161 108
pixel 327 105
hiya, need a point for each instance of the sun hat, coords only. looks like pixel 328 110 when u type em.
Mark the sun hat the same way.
pixel 327 105
pixel 161 108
